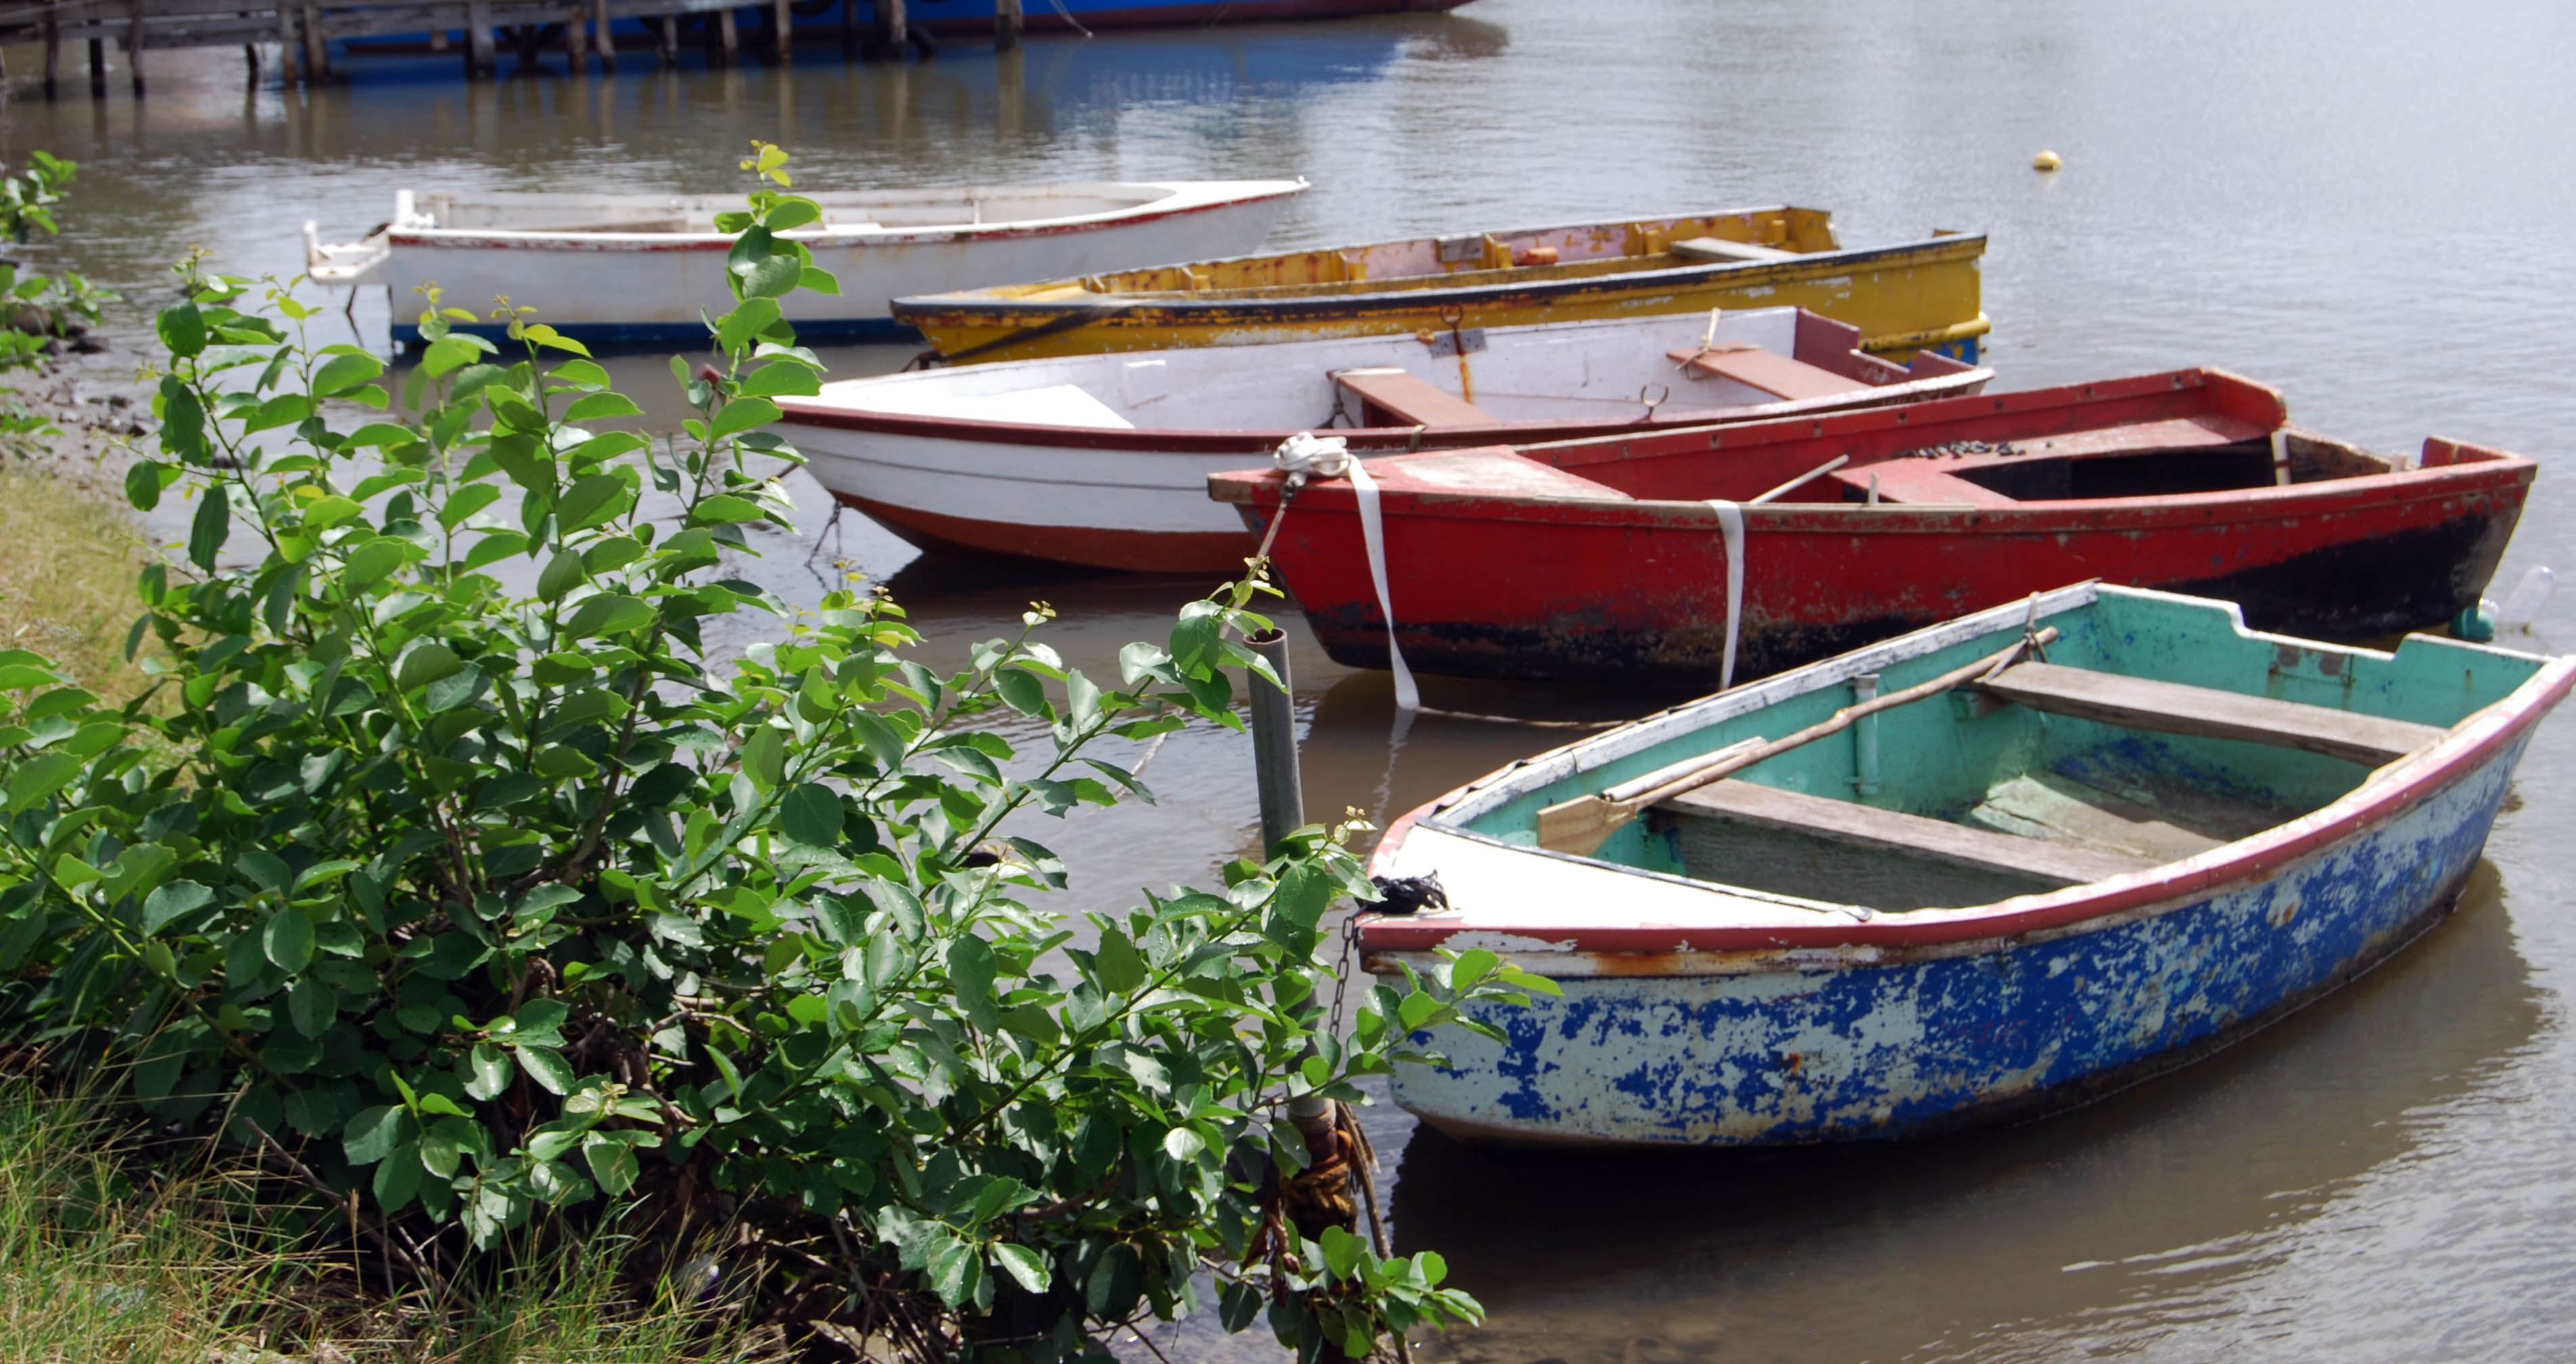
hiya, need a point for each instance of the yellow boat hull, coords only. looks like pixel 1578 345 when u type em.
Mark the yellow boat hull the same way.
pixel 1904 298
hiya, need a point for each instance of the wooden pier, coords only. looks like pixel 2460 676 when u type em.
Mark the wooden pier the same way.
pixel 577 30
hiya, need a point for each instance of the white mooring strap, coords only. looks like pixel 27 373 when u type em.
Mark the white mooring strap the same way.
pixel 1373 535
pixel 1730 524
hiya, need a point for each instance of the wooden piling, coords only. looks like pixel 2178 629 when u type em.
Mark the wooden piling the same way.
pixel 134 45
pixel 289 71
pixel 576 40
pixel 727 37
pixel 317 45
pixel 782 23
pixel 849 29
pixel 607 41
pixel 1006 25
pixel 670 50
pixel 891 31
pixel 54 52
pixel 250 59
pixel 481 62
pixel 98 68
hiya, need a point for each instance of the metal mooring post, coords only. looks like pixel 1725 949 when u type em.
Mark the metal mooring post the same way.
pixel 1274 744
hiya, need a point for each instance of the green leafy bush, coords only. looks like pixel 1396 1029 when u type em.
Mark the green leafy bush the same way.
pixel 36 309
pixel 484 910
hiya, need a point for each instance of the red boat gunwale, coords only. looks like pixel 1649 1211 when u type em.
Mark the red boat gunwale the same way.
pixel 2383 796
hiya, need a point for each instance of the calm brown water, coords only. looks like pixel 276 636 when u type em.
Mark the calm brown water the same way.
pixel 2369 205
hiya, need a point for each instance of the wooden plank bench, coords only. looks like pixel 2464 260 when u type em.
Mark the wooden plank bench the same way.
pixel 1410 399
pixel 2206 712
pixel 1768 371
pixel 1868 827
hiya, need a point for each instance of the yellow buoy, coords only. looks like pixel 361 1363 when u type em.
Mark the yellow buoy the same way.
pixel 2045 161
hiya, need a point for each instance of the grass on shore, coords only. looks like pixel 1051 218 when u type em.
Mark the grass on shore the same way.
pixel 188 1272
pixel 69 551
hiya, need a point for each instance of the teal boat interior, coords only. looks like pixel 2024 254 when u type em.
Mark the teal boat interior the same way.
pixel 2153 727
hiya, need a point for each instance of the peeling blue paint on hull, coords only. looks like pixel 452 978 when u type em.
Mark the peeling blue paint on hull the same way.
pixel 1984 1033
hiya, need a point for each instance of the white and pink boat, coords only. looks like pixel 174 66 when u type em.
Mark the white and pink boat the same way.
pixel 1102 460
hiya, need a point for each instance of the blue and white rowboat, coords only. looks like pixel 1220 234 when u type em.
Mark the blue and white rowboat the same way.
pixel 2042 880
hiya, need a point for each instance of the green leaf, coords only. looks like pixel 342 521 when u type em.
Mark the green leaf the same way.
pixel 145 480
pixel 547 1067
pixel 213 523
pixel 1025 1265
pixel 372 1135
pixel 773 277
pixel 40 777
pixel 464 502
pixel 173 901
pixel 749 318
pixel 599 405
pixel 370 562
pixel 288 940
pixel 811 813
pixel 607 614
pixel 183 329
pixel 797 211
pixel 1121 967
pixel 490 1071
pixel 1023 692
pixel 591 499
pixel 611 1162
pixel 764 756
pixel 725 509
pixel 425 663
pixel 970 977
pixel 311 1008
pixel 343 372
pixel 782 379
pixel 1182 1144
pixel 1342 1251
pixel 740 415
pixel 564 573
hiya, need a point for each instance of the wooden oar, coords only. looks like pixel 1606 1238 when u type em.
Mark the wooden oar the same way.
pixel 1582 824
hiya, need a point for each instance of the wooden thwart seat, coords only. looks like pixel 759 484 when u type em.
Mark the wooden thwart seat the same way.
pixel 1867 827
pixel 1772 373
pixel 1410 399
pixel 2206 712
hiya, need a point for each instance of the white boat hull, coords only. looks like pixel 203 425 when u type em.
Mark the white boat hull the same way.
pixel 651 286
pixel 1103 460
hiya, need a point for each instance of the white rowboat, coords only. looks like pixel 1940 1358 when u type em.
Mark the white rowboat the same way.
pixel 1102 460
pixel 636 269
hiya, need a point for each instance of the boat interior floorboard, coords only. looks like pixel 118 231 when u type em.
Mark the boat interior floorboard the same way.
pixel 2163 825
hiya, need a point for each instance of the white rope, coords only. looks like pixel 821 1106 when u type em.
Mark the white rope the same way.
pixel 1372 534
pixel 1307 455
pixel 1068 18
pixel 1730 524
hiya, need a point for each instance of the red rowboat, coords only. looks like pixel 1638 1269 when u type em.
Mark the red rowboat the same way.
pixel 1609 557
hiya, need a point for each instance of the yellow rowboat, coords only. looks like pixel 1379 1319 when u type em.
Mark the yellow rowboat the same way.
pixel 1920 295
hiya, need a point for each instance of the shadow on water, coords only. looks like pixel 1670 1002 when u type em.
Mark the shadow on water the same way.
pixel 2148 1197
